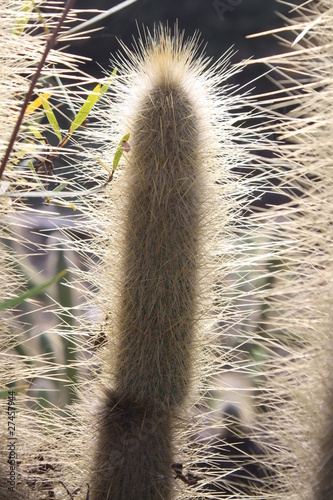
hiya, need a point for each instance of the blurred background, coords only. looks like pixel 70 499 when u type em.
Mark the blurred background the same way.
pixel 222 24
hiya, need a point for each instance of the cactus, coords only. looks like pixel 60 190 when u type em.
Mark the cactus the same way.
pixel 159 290
pixel 189 292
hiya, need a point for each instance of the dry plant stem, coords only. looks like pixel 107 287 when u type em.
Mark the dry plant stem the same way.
pixel 51 42
pixel 157 308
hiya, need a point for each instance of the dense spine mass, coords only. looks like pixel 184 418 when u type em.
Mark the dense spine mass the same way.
pixel 160 254
pixel 155 326
pixel 181 396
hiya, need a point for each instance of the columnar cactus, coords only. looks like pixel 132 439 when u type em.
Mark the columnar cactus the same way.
pixel 158 294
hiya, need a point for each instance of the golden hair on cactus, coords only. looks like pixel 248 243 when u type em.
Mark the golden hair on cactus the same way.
pixel 162 233
pixel 166 208
pixel 165 233
pixel 156 318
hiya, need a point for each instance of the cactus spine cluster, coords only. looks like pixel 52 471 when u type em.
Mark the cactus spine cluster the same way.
pixel 156 307
pixel 146 427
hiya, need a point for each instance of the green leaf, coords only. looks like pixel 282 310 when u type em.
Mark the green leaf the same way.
pixel 119 151
pixel 37 179
pixel 60 188
pixel 56 190
pixel 91 100
pixel 103 15
pixel 41 18
pixel 86 108
pixel 4 394
pixel 23 20
pixel 106 85
pixel 36 133
pixel 51 118
pixel 36 290
pixel 36 103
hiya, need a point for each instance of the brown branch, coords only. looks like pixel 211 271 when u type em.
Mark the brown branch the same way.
pixel 51 42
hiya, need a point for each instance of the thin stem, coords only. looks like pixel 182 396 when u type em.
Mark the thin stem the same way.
pixel 98 18
pixel 51 42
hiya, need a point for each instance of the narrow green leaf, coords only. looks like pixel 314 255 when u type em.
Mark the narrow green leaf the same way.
pixel 64 92
pixel 86 108
pixel 61 187
pixel 37 179
pixel 118 154
pixel 36 103
pixel 41 18
pixel 36 290
pixel 23 20
pixel 36 133
pixel 51 118
pixel 119 151
pixel 106 85
pixel 4 394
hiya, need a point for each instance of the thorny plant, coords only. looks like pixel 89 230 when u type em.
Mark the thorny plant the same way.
pixel 28 154
pixel 32 141
pixel 284 372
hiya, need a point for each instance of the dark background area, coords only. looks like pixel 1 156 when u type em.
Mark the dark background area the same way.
pixel 222 24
